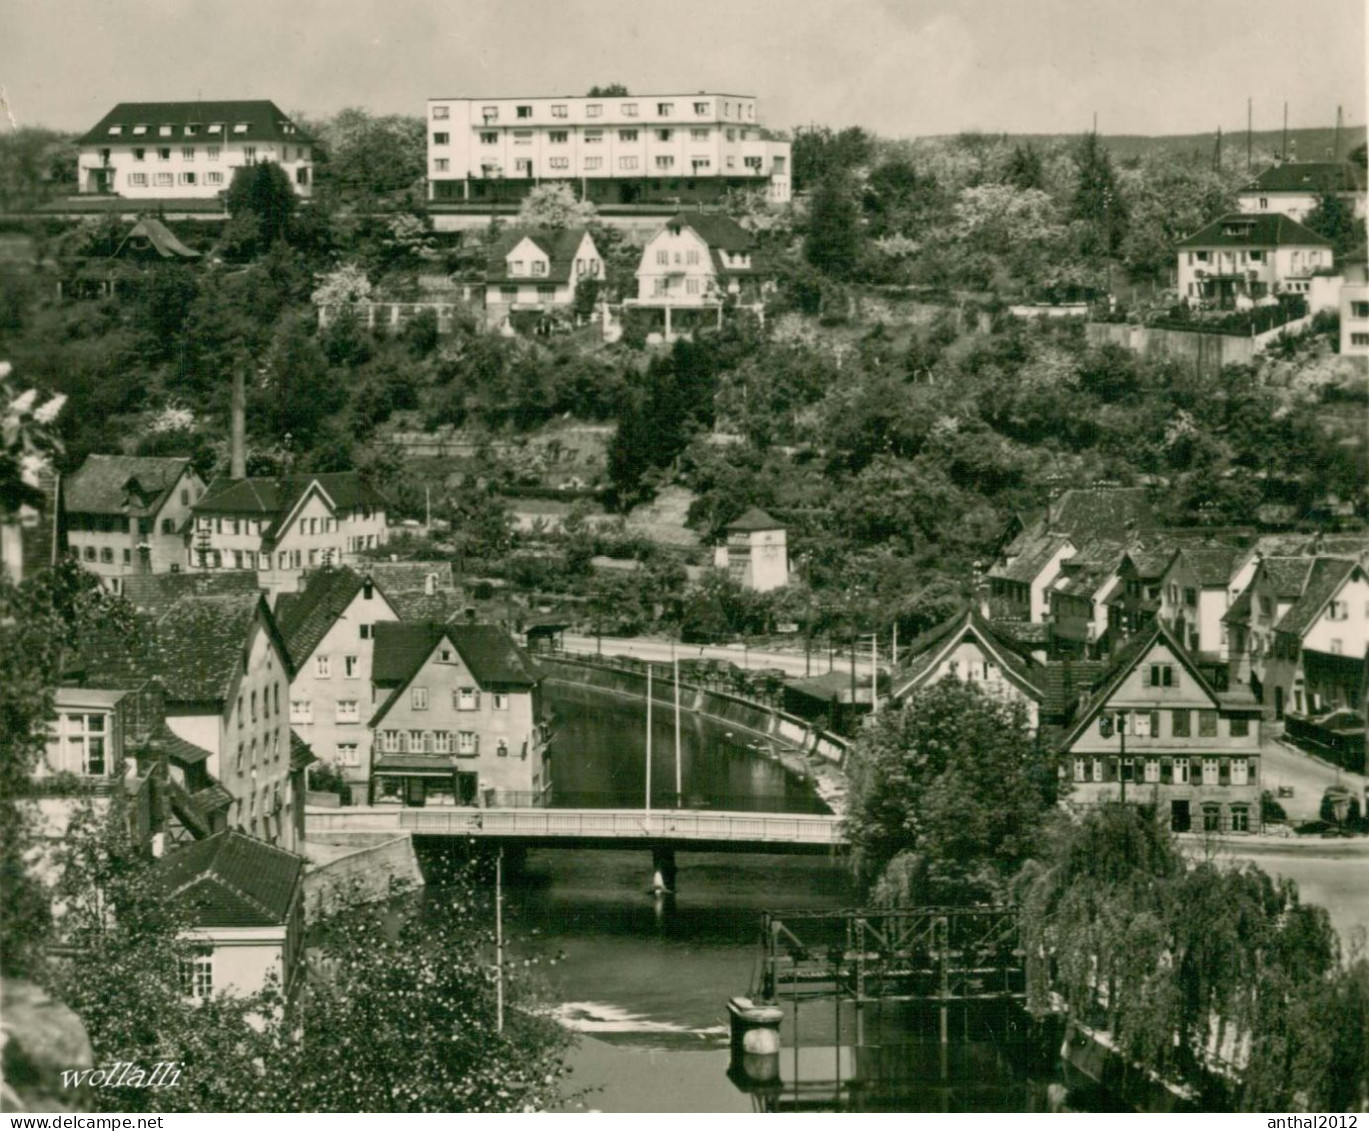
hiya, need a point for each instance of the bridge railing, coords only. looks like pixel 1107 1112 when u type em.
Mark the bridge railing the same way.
pixel 673 825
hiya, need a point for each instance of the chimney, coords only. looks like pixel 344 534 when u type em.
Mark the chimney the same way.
pixel 237 460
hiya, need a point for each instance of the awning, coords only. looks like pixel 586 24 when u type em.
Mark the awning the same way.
pixel 415 765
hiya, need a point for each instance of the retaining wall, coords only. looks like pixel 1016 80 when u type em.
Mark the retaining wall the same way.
pixel 365 873
pixel 1207 353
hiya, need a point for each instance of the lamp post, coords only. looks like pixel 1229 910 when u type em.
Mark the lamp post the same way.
pixel 1105 728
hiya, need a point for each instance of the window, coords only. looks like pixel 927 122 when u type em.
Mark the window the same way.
pixel 240 127
pixel 1140 724
pixel 1212 818
pixel 442 164
pixel 501 748
pixel 559 110
pixel 699 134
pixel 187 178
pixel 1079 767
pixel 662 285
pixel 1212 771
pixel 594 137
pixel 522 137
pixel 440 113
pixel 442 742
pixel 389 741
pixel 418 698
pixel 1240 727
pixel 417 743
pixel 107 555
pixel 1160 675
pixel 128 557
pixel 593 163
pixel 139 130
pixel 467 742
pixel 501 700
pixel 1337 610
pixel 558 137
pixel 692 286
pixel 322 667
pixel 139 154
pixel 365 631
pixel 545 293
pixel 351 665
pixel 662 258
pixel 731 135
pixel 629 110
pixel 164 153
pixel 1190 597
pixel 197 976
pixel 1179 724
pixel 664 135
pixel 163 131
pixel 348 754
pixel 442 139
pixel 115 131
pixel 249 154
pixel 489 137
pixel 701 107
pixel 1180 771
pixel 627 135
pixel 1257 257
pixel 702 164
pixel 523 112
pixel 86 745
pixel 138 179
pixel 467 699
pixel 594 110
pixel 665 162
pixel 665 109
pixel 1359 339
pixel 627 163
pixel 1360 309
pixel 1207 724
pixel 777 164
pixel 187 153
pixel 1240 819
pixel 1240 771
pixel 347 711
pixel 559 162
pixel 752 163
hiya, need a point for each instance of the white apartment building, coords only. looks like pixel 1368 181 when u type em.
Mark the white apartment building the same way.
pixel 189 150
pixel 1295 187
pixel 628 149
pixel 1241 259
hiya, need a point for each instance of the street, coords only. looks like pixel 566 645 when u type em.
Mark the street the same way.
pixel 661 651
pixel 1286 765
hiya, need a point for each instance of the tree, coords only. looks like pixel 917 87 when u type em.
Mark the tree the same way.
pixel 369 156
pixel 264 193
pixel 1025 170
pixel 554 206
pixel 833 243
pixel 612 90
pixel 342 286
pixel 1334 218
pixel 819 152
pixel 953 783
pixel 1098 200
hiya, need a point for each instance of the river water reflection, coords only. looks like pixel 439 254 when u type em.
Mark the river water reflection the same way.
pixel 646 983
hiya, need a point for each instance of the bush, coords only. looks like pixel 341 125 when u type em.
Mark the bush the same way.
pixel 324 777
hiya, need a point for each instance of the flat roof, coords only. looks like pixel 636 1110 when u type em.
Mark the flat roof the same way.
pixel 586 97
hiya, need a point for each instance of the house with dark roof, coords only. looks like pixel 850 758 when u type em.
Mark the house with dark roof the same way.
pixel 530 269
pixel 1194 596
pixel 460 719
pixel 1156 732
pixel 1019 584
pixel 244 901
pixel 283 527
pixel 1294 188
pixel 1275 586
pixel 152 241
pixel 1243 258
pixel 697 262
pixel 1078 610
pixel 189 150
pixel 329 627
pixel 965 647
pixel 225 670
pixel 755 551
pixel 1320 643
pixel 129 515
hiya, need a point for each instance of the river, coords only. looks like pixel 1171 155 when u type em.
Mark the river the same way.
pixel 645 982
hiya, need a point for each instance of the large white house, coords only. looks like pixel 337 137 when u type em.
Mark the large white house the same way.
pixel 189 150
pixel 1295 187
pixel 539 270
pixel 1241 259
pixel 624 149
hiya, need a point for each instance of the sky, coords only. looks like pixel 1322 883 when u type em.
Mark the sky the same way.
pixel 897 67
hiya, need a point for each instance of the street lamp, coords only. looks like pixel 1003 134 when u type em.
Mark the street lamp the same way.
pixel 1105 728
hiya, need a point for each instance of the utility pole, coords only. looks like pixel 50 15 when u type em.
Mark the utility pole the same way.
pixel 499 940
pixel 1249 132
pixel 1283 152
pixel 874 673
pixel 1217 154
pixel 1339 120
pixel 679 783
pixel 648 736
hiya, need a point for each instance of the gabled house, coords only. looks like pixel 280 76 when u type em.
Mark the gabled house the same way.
pixel 283 527
pixel 1274 588
pixel 226 674
pixel 245 904
pixel 460 718
pixel 1242 259
pixel 698 261
pixel 1194 597
pixel 152 241
pixel 329 628
pixel 1294 188
pixel 1172 741
pixel 1078 611
pixel 189 150
pixel 755 551
pixel 127 515
pixel 1019 585
pixel 966 648
pixel 1319 644
pixel 530 269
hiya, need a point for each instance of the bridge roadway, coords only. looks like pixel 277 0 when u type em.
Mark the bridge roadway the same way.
pixel 660 829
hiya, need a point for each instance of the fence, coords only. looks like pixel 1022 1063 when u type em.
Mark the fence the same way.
pixel 1343 747
pixel 392 316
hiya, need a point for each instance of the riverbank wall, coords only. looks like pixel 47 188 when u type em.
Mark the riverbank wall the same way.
pixel 797 744
pixel 358 867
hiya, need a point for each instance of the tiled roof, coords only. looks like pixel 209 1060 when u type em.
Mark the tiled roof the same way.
pixel 163 740
pixel 442 606
pixel 232 880
pixel 301 753
pixel 152 591
pixel 1239 613
pixel 1265 229
pixel 1062 682
pixel 276 498
pixel 160 238
pixel 263 119
pixel 194 645
pixel 930 646
pixel 122 485
pixel 1116 512
pixel 718 231
pixel 1211 565
pixel 306 618
pixel 400 649
pixel 1308 176
pixel 1325 579
pixel 559 246
pixel 1287 576
pixel 212 798
pixel 753 518
pixel 1029 564
pixel 1022 635
pixel 407 577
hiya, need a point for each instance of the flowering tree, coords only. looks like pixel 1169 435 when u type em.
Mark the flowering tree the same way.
pixel 554 205
pixel 343 286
